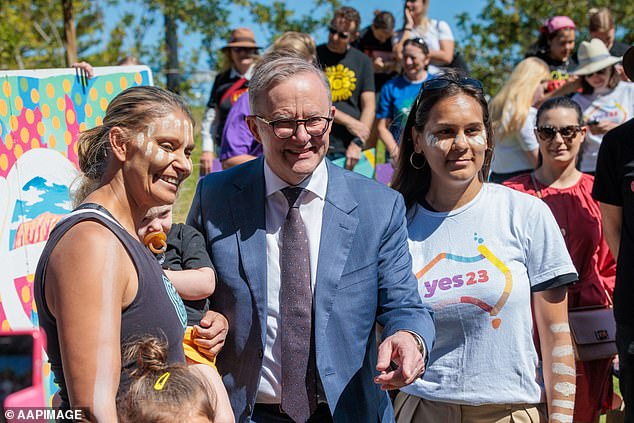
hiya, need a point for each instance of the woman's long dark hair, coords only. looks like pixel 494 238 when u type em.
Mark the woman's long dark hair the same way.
pixel 414 183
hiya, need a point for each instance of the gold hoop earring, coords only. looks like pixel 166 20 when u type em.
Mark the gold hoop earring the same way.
pixel 411 161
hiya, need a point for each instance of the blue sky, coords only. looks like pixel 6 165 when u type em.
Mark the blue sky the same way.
pixel 446 11
pixel 438 9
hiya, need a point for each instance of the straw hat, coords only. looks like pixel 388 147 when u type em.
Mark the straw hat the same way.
pixel 628 63
pixel 241 37
pixel 593 56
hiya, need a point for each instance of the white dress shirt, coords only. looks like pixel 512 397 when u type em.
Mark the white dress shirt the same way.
pixel 311 209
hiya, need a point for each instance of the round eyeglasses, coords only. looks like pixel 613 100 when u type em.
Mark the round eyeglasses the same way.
pixel 286 128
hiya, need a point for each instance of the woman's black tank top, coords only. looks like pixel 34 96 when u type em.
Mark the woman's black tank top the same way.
pixel 156 310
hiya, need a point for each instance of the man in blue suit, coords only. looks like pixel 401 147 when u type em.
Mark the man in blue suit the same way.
pixel 357 267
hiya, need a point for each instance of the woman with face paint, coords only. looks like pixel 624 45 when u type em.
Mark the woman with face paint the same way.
pixel 568 192
pixel 96 285
pixel 482 254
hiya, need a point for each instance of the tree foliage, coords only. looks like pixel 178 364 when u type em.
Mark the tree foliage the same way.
pixel 277 18
pixel 32 32
pixel 499 36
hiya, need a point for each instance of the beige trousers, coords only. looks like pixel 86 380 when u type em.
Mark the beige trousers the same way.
pixel 412 409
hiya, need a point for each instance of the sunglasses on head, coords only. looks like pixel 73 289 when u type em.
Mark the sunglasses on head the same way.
pixel 548 133
pixel 418 40
pixel 342 35
pixel 440 83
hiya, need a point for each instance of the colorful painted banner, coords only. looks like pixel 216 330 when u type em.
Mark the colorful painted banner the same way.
pixel 366 164
pixel 42 113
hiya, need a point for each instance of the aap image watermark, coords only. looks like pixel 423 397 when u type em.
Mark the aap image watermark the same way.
pixel 43 414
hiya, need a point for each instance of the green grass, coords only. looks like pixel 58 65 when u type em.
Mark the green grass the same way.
pixel 184 200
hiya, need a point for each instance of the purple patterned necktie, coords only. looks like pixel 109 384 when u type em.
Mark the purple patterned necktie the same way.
pixel 299 398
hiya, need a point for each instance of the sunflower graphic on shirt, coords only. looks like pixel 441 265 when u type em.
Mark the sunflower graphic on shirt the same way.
pixel 343 82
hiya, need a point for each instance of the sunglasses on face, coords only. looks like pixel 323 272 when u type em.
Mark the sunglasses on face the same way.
pixel 599 72
pixel 342 35
pixel 247 50
pixel 548 133
pixel 440 83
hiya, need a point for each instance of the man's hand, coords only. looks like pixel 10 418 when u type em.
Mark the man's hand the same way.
pixel 206 162
pixel 210 336
pixel 402 349
pixel 358 129
pixel 353 154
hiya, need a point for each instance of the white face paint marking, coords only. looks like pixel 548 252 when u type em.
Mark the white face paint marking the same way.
pixel 431 140
pixel 177 124
pixel 570 405
pixel 560 328
pixel 566 388
pixel 165 123
pixel 140 139
pixel 479 139
pixel 170 157
pixel 562 369
pixel 159 155
pixel 563 418
pixel 150 130
pixel 562 351
pixel 148 149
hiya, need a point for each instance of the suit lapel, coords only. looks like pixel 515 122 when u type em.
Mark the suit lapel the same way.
pixel 337 232
pixel 247 208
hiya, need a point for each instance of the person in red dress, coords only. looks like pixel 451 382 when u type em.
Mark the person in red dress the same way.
pixel 567 191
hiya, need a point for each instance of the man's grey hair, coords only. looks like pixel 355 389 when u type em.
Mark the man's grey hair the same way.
pixel 274 68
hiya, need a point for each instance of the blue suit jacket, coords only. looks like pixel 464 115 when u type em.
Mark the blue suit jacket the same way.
pixel 364 275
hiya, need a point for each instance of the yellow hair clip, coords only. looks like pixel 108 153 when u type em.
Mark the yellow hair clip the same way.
pixel 161 381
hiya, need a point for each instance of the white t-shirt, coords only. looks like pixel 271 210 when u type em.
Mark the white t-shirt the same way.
pixel 476 267
pixel 509 153
pixel 616 106
pixel 436 31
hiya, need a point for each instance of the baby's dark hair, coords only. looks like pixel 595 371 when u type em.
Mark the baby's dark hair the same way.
pixel 161 392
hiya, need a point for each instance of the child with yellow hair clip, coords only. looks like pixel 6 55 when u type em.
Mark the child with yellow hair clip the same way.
pixel 161 392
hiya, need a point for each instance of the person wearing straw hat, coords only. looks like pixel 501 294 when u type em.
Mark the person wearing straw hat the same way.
pixel 605 99
pixel 614 189
pixel 240 53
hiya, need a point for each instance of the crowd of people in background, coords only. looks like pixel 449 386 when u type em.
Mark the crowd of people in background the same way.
pixel 298 291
